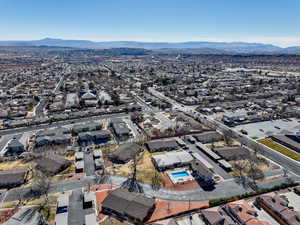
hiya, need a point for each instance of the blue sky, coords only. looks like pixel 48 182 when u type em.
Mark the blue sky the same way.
pixel 267 21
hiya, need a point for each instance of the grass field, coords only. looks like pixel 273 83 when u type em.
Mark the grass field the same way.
pixel 277 147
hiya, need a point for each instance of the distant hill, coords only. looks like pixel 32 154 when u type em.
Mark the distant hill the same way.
pixel 195 47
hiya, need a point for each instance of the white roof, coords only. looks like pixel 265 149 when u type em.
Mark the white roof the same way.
pixel 89 196
pixel 203 160
pixel 63 200
pixel 97 153
pixel 90 219
pixel 172 158
pixel 79 164
pixel 224 163
pixel 61 219
pixel 79 155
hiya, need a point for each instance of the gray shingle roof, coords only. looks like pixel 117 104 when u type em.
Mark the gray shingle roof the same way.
pixel 26 216
pixel 128 203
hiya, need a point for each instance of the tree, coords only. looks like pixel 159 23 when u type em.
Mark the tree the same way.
pixel 156 180
pixel 137 117
pixel 131 183
pixel 254 170
pixel 41 183
pixel 115 98
pixel 227 139
pixel 239 167
pixel 91 85
pixel 20 199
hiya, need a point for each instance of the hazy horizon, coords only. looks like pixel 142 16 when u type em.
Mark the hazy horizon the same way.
pixel 254 21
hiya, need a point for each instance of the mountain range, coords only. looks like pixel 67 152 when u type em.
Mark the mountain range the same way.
pixel 195 47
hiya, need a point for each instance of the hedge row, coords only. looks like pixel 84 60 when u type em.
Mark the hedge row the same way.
pixel 221 201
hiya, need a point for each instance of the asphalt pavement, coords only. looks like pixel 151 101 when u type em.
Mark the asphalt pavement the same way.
pixel 89 165
pixel 60 123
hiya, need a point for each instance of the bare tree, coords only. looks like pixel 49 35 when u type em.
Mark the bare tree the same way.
pixel 156 180
pixel 20 199
pixel 254 171
pixel 228 140
pixel 42 184
pixel 239 166
pixel 131 183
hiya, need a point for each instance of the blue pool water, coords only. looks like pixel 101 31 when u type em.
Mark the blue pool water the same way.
pixel 180 174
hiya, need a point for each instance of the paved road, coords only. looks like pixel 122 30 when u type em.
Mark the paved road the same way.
pixel 142 102
pixel 39 109
pixel 224 189
pixel 61 123
pixel 227 188
pixel 57 88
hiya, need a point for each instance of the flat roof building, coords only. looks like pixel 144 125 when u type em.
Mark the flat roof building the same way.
pixel 172 160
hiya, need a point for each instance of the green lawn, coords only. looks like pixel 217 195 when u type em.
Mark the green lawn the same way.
pixel 277 147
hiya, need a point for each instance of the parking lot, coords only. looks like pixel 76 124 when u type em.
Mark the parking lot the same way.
pixel 267 128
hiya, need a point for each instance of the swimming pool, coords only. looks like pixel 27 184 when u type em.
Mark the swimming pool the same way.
pixel 180 174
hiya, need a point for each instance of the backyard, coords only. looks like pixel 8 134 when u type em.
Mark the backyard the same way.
pixel 145 168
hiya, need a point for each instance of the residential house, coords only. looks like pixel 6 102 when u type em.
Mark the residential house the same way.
pixel 278 207
pixel 13 147
pixel 12 178
pixel 123 204
pixel 72 100
pixel 52 164
pixel 121 130
pixel 162 145
pixel 26 216
pixel 202 173
pixel 172 160
pixel 125 153
pixel 208 137
pixel 244 213
pixel 216 216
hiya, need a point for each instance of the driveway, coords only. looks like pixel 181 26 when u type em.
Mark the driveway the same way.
pixel 89 166
pixel 77 214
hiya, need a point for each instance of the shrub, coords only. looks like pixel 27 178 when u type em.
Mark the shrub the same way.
pixel 221 201
pixel 244 132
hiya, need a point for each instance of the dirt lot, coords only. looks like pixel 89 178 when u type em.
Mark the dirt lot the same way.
pixel 263 167
pixel 145 168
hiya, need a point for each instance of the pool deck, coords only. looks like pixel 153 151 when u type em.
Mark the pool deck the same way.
pixel 175 177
